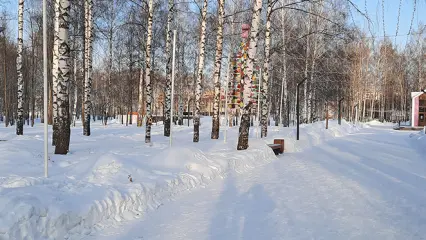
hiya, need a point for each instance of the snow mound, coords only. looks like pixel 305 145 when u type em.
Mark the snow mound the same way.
pixel 90 189
pixel 418 140
pixel 313 134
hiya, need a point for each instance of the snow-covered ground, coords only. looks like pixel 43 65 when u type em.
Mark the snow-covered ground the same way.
pixel 368 185
pixel 88 190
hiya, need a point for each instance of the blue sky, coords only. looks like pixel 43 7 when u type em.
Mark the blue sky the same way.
pixel 374 9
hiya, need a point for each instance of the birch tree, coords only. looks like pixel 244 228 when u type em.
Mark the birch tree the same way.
pixel 55 72
pixel 140 98
pixel 88 48
pixel 148 73
pixel 245 117
pixel 265 82
pixel 20 120
pixel 64 132
pixel 217 67
pixel 283 100
pixel 201 58
pixel 168 100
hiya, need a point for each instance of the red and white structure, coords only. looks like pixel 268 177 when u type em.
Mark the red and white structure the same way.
pixel 418 109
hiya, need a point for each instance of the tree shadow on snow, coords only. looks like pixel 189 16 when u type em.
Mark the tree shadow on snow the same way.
pixel 242 216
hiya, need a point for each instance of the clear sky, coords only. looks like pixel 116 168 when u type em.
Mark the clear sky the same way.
pixel 374 11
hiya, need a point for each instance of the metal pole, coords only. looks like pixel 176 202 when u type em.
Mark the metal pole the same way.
pixel 5 105
pixel 297 106
pixel 356 113
pixel 281 100
pixel 258 104
pixel 46 148
pixel 288 113
pixel 226 98
pixel 339 113
pixel 326 115
pixel 173 85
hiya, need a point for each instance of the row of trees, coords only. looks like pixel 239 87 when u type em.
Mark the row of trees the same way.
pixel 112 57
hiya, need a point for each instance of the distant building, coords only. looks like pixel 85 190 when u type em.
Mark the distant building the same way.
pixel 418 110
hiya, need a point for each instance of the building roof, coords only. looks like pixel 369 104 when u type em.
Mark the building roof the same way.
pixel 416 94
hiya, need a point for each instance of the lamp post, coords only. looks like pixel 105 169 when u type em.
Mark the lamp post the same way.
pixel 288 113
pixel 6 120
pixel 46 148
pixel 297 106
pixel 173 86
pixel 326 114
pixel 356 113
pixel 228 73
pixel 339 113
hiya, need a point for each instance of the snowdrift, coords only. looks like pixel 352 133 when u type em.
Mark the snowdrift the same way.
pixel 90 188
pixel 418 140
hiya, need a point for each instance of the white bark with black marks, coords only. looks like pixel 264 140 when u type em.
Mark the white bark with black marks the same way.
pixel 88 8
pixel 217 67
pixel 148 73
pixel 20 120
pixel 265 82
pixel 245 114
pixel 63 127
pixel 168 54
pixel 201 58
pixel 140 99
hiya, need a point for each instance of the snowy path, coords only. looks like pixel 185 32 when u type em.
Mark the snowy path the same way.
pixel 369 185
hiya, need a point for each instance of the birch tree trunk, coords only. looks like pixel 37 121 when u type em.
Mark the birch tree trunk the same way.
pixel 74 113
pixel 55 73
pixel 33 94
pixel 305 90
pixel 63 140
pixel 140 99
pixel 245 117
pixel 265 82
pixel 168 99
pixel 110 50
pixel 201 57
pixel 317 38
pixel 20 120
pixel 148 73
pixel 284 80
pixel 88 8
pixel 180 110
pixel 217 67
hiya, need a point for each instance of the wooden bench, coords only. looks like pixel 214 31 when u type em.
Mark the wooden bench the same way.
pixel 277 146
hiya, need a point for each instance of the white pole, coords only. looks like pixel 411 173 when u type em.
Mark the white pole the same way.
pixel 258 103
pixel 281 102
pixel 173 85
pixel 226 98
pixel 356 114
pixel 46 148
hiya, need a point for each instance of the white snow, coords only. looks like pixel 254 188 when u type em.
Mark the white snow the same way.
pixel 89 188
pixel 367 185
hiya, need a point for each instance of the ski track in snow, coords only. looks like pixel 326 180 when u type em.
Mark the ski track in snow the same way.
pixel 368 185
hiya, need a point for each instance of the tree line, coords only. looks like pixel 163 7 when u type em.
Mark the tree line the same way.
pixel 110 58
